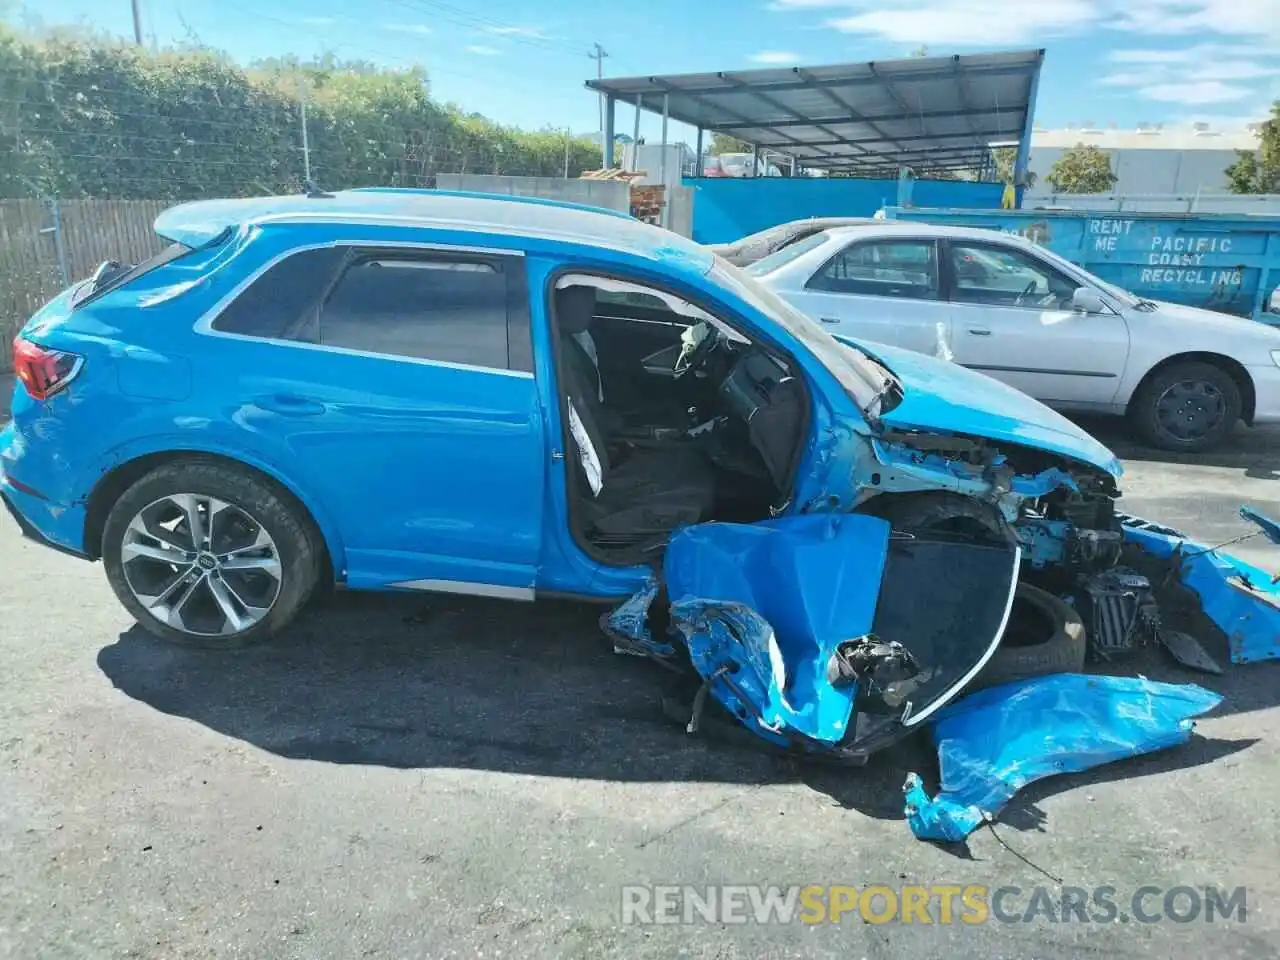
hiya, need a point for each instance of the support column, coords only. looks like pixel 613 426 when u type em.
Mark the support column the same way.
pixel 1024 145
pixel 610 105
pixel 697 162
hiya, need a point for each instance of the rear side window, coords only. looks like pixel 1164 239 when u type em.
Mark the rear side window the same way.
pixel 278 304
pixel 882 268
pixel 451 310
pixel 465 309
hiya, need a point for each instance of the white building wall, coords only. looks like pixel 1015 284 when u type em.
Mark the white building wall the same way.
pixel 1181 161
pixel 1150 171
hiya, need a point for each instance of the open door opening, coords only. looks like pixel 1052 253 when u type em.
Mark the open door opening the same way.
pixel 673 416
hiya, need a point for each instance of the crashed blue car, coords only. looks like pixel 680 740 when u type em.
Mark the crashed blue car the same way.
pixel 424 391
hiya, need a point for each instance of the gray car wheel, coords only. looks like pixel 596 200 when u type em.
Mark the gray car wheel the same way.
pixel 208 554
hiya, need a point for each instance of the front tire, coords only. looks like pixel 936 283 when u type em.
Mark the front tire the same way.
pixel 209 554
pixel 1187 407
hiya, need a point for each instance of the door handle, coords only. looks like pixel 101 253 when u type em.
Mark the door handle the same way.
pixel 290 405
pixel 980 331
pixel 829 319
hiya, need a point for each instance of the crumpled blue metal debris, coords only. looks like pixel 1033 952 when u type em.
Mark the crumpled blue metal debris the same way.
pixel 1237 596
pixel 995 742
pixel 763 606
pixel 628 625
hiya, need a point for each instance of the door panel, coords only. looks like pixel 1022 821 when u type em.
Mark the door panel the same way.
pixel 883 290
pixel 395 405
pixel 1012 320
pixel 431 472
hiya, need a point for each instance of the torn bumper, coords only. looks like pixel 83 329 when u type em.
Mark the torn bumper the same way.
pixel 995 742
pixel 1237 596
pixel 825 632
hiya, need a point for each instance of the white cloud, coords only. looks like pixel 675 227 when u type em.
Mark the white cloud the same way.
pixel 319 21
pixel 775 57
pixel 482 51
pixel 1207 91
pixel 418 28
pixel 966 22
pixel 534 32
pixel 999 22
pixel 1257 18
pixel 1194 75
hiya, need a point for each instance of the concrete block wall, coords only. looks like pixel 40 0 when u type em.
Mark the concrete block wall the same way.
pixel 611 194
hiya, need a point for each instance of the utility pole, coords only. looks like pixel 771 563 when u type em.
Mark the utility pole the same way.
pixel 306 144
pixel 598 56
pixel 137 22
pixel 567 137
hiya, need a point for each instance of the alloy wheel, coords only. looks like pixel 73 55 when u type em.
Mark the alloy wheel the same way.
pixel 201 565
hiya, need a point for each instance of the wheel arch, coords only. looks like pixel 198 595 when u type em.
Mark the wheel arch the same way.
pixel 1228 365
pixel 107 490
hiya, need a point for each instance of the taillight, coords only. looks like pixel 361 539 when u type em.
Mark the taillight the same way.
pixel 43 371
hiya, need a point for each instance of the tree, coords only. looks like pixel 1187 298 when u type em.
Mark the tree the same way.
pixel 920 51
pixel 1082 169
pixel 1258 171
pixel 1005 158
pixel 723 143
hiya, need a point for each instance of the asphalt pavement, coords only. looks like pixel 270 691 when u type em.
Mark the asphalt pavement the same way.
pixel 440 777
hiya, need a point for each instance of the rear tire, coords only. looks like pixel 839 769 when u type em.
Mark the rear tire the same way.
pixel 208 554
pixel 1188 407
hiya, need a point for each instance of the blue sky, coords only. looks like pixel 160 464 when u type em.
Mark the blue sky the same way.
pixel 1122 61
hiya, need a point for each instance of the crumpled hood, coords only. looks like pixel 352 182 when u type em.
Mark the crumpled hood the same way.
pixel 944 396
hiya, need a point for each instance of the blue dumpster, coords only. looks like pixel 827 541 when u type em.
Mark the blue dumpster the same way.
pixel 1229 263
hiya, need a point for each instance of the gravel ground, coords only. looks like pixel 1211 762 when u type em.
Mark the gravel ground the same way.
pixel 407 777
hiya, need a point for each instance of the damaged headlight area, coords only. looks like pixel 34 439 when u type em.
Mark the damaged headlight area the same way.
pixel 828 633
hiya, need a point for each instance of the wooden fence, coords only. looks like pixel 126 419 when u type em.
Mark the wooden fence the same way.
pixel 45 245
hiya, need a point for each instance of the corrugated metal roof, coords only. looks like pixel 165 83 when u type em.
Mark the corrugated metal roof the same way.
pixel 925 112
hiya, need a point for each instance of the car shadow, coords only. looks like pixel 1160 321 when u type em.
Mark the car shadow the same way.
pixel 410 682
pixel 449 682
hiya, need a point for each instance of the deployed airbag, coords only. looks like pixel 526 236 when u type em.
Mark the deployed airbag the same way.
pixel 994 743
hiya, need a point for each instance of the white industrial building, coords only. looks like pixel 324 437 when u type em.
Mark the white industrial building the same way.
pixel 1152 159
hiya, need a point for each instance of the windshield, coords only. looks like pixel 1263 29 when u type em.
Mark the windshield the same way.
pixel 860 376
pixel 786 254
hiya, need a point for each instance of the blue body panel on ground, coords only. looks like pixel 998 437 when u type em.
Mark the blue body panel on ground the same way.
pixel 1213 261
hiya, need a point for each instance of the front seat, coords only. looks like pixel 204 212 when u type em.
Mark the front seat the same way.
pixel 633 494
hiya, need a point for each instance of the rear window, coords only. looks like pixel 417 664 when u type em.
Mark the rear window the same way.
pixel 780 258
pixel 111 275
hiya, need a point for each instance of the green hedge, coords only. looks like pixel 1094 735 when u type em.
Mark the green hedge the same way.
pixel 92 118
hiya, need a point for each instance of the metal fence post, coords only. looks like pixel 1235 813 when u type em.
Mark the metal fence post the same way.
pixel 59 242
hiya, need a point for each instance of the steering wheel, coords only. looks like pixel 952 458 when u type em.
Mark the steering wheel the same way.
pixel 1027 291
pixel 694 358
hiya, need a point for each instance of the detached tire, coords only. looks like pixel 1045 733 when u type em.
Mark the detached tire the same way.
pixel 1187 407
pixel 1045 635
pixel 208 554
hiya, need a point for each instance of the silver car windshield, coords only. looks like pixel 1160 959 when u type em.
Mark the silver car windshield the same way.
pixel 860 376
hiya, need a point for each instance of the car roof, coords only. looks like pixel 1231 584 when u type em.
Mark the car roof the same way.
pixel 923 229
pixel 195 224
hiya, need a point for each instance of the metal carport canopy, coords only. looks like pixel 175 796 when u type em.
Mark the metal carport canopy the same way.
pixel 938 113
